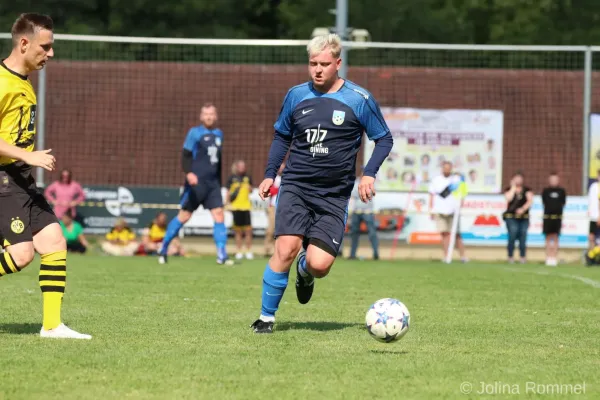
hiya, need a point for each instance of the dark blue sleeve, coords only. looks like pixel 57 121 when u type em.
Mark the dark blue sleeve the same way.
pixel 372 120
pixel 279 148
pixel 190 140
pixel 382 149
pixel 283 124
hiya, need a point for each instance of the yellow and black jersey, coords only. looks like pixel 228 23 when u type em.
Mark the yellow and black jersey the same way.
pixel 124 235
pixel 156 233
pixel 17 111
pixel 240 187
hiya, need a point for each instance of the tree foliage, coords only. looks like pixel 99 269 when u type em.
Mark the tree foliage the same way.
pixel 564 22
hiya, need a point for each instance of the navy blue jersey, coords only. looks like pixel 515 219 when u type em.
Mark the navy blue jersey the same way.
pixel 205 145
pixel 326 132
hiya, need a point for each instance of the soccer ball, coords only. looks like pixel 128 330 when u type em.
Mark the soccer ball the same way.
pixel 388 320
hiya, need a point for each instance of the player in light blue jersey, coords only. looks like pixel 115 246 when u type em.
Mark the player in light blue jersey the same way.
pixel 321 123
pixel 201 162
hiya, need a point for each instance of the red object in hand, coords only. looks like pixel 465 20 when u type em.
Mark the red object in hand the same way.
pixel 273 190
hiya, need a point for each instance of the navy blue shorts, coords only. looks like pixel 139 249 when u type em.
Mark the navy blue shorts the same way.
pixel 206 194
pixel 313 217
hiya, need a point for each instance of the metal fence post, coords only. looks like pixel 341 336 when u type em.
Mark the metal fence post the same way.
pixel 587 106
pixel 41 121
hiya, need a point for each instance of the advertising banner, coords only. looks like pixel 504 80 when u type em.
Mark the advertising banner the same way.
pixel 594 147
pixel 481 221
pixel 423 139
pixel 137 205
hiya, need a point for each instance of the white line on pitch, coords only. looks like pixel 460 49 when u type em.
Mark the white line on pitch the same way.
pixel 587 281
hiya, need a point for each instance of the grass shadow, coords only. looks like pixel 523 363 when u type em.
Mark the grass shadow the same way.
pixel 388 352
pixel 20 329
pixel 322 326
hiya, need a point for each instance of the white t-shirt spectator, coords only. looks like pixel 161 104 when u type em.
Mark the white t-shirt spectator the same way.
pixel 593 202
pixel 440 187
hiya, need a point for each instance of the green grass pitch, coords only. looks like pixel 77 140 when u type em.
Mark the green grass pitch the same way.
pixel 181 331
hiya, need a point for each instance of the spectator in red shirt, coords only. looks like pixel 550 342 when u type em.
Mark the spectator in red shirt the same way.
pixel 64 195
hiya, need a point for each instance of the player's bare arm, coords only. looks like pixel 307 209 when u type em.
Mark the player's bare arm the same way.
pixel 41 158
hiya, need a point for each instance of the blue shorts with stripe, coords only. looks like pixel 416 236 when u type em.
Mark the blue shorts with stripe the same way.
pixel 206 194
pixel 299 212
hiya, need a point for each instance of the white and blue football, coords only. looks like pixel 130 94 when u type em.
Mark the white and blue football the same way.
pixel 388 320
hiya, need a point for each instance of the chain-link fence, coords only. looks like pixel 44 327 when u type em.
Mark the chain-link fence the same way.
pixel 118 109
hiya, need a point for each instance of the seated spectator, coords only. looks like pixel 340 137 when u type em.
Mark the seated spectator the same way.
pixel 154 235
pixel 120 241
pixel 73 233
pixel 64 195
pixel 592 256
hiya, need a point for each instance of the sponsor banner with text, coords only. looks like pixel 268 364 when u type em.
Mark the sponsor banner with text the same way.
pixel 423 139
pixel 481 217
pixel 481 220
pixel 138 206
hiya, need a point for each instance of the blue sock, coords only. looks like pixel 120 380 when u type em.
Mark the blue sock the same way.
pixel 302 266
pixel 220 238
pixel 172 231
pixel 274 284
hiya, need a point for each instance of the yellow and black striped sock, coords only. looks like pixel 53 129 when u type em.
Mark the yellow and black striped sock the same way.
pixel 53 278
pixel 7 264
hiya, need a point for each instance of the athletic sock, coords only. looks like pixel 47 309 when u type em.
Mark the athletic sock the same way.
pixel 171 233
pixel 7 264
pixel 220 238
pixel 274 284
pixel 53 278
pixel 302 270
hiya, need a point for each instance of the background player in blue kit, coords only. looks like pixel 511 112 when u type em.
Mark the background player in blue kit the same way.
pixel 321 123
pixel 201 162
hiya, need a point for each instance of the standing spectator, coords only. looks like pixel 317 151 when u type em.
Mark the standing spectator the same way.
pixel 65 195
pixel 519 199
pixel 362 212
pixel 593 212
pixel 239 188
pixel 270 232
pixel 444 204
pixel 120 241
pixel 73 233
pixel 554 198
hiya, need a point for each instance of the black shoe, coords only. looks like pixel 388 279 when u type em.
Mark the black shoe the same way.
pixel 304 286
pixel 260 326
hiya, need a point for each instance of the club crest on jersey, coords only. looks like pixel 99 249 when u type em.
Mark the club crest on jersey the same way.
pixel 218 141
pixel 17 226
pixel 338 117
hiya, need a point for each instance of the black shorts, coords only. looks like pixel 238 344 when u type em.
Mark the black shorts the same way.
pixel 206 194
pixel 552 226
pixel 76 247
pixel 593 228
pixel 23 212
pixel 241 219
pixel 313 217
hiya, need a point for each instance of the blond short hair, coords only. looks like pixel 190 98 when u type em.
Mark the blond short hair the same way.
pixel 331 41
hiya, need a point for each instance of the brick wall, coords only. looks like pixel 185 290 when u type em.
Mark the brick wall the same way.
pixel 124 123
